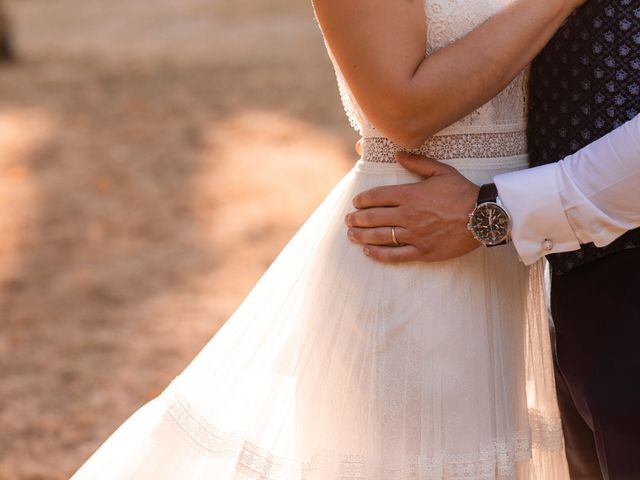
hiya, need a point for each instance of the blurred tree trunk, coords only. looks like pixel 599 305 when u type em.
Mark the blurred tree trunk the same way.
pixel 7 52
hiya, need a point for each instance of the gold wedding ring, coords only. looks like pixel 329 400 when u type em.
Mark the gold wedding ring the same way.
pixel 394 239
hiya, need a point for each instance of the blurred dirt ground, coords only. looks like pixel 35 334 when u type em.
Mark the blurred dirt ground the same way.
pixel 154 158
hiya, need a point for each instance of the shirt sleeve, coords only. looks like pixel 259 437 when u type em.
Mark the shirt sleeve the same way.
pixel 590 196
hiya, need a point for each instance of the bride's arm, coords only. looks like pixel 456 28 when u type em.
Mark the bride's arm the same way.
pixel 380 47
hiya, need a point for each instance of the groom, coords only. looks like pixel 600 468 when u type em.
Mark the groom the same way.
pixel 585 84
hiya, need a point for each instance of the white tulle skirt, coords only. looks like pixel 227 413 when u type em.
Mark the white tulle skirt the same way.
pixel 336 367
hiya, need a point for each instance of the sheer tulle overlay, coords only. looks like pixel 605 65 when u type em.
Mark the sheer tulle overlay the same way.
pixel 337 367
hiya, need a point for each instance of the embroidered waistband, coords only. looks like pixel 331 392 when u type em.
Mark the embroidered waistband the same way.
pixel 448 147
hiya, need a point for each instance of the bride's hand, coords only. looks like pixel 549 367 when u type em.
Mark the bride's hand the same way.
pixel 576 3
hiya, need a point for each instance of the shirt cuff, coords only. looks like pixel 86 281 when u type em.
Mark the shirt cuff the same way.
pixel 540 225
pixel 600 229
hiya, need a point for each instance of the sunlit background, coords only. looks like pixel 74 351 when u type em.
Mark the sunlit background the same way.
pixel 155 156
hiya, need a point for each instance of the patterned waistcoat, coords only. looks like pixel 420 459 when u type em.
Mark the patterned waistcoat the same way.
pixel 584 84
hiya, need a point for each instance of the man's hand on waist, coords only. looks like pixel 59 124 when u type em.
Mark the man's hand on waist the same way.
pixel 429 217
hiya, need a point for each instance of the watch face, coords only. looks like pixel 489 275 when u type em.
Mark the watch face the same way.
pixel 490 224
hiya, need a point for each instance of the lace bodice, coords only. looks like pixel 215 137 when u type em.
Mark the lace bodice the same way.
pixel 495 129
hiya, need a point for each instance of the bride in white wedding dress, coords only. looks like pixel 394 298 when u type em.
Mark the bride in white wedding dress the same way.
pixel 336 367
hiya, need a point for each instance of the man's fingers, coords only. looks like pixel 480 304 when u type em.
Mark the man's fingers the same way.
pixel 423 166
pixel 387 196
pixel 376 236
pixel 406 253
pixel 373 217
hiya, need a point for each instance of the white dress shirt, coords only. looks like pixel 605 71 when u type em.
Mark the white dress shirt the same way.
pixel 590 196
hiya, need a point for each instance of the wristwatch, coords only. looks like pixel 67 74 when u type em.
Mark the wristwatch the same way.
pixel 489 223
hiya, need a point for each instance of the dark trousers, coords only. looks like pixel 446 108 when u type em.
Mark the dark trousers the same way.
pixel 596 312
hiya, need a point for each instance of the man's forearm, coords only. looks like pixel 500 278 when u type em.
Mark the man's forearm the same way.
pixel 590 196
pixel 463 76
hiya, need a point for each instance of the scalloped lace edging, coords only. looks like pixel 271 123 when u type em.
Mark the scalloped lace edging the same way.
pixel 493 461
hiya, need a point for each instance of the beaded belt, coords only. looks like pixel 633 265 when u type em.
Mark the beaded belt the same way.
pixel 448 147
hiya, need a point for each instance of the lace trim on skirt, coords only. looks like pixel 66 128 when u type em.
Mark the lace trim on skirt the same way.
pixel 448 147
pixel 546 431
pixel 494 461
